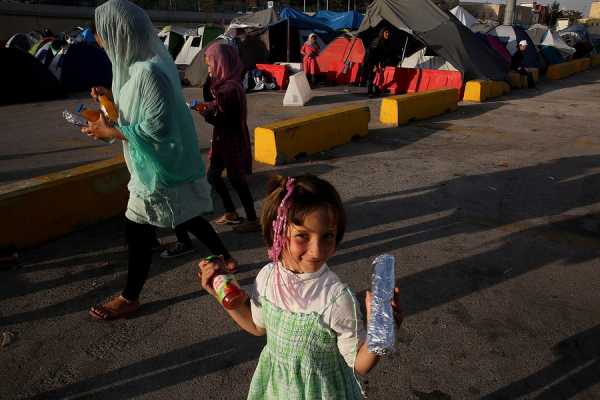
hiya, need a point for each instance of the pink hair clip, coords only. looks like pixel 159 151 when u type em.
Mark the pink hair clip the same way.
pixel 280 223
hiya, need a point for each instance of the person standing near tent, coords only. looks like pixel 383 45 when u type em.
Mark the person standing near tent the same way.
pixel 230 147
pixel 310 51
pixel 376 58
pixel 167 187
pixel 517 63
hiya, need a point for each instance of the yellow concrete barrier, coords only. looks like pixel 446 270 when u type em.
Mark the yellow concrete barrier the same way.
pixel 283 141
pixel 564 70
pixel 595 60
pixel 518 81
pixel 399 110
pixel 43 208
pixel 481 90
pixel 584 64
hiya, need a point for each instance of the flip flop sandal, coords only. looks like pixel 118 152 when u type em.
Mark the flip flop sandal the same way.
pixel 100 312
pixel 225 220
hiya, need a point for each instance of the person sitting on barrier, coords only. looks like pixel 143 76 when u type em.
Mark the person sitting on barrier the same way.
pixel 517 63
pixel 310 50
pixel 168 187
pixel 377 57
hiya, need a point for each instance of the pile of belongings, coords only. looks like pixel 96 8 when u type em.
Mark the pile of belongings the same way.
pixel 255 81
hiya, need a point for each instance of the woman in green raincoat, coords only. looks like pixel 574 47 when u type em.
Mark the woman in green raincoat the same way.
pixel 168 187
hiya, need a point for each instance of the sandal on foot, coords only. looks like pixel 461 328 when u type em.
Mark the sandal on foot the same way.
pixel 229 219
pixel 119 307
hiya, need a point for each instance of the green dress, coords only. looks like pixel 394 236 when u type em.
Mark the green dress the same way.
pixel 301 360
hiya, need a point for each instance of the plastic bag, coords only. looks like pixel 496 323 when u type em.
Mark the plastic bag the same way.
pixel 381 328
pixel 74 119
pixel 80 121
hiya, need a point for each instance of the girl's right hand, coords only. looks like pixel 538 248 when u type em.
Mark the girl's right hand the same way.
pixel 207 269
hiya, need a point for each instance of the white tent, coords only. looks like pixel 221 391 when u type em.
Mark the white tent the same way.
pixel 464 16
pixel 173 37
pixel 190 56
pixel 537 32
pixel 420 60
pixel 553 39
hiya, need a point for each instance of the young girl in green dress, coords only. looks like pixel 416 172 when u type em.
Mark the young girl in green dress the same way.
pixel 315 335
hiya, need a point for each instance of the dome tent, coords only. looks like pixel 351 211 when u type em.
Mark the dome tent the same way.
pixel 26 79
pixel 510 36
pixel 441 32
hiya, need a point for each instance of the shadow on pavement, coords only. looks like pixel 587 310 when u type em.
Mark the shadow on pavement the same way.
pixel 165 370
pixel 576 369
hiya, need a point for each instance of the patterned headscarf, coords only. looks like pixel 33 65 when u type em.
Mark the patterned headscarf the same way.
pixel 226 62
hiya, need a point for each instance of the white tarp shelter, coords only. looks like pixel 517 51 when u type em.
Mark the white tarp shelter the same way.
pixel 190 56
pixel 420 60
pixel 553 39
pixel 464 17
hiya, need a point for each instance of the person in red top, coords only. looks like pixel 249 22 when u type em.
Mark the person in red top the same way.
pixel 310 51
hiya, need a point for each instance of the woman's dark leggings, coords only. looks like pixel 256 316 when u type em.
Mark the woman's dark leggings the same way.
pixel 240 185
pixel 140 239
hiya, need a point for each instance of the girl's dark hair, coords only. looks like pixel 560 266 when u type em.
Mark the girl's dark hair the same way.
pixel 310 193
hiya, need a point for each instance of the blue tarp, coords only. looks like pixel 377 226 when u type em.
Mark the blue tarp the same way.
pixel 551 55
pixel 340 20
pixel 88 36
pixel 300 20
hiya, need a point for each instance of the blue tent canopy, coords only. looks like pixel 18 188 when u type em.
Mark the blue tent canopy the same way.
pixel 340 20
pixel 551 55
pixel 300 20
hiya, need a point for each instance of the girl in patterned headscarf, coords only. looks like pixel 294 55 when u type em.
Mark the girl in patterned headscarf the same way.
pixel 230 148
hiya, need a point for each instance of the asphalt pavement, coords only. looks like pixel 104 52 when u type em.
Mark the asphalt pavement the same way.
pixel 491 211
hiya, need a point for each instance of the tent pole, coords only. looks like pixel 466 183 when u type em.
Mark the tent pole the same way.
pixel 509 12
pixel 404 50
pixel 288 40
pixel 327 4
pixel 348 5
pixel 304 5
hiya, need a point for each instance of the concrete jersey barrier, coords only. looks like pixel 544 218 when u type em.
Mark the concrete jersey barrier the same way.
pixel 518 81
pixel 566 69
pixel 481 90
pixel 284 141
pixel 37 210
pixel 399 110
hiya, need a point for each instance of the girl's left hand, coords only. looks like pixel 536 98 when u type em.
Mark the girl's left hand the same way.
pixel 101 129
pixel 396 306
